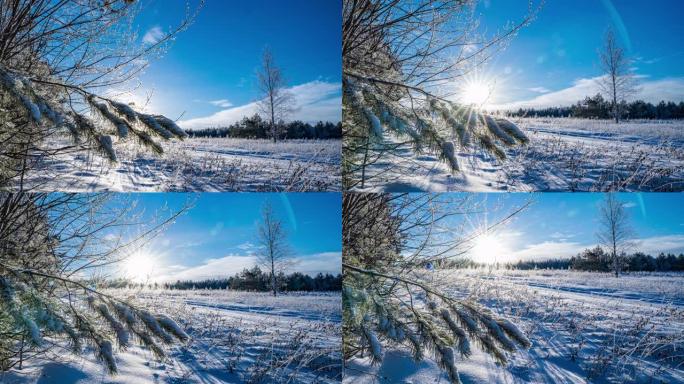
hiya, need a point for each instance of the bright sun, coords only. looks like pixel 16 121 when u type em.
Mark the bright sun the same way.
pixel 476 92
pixel 487 249
pixel 139 267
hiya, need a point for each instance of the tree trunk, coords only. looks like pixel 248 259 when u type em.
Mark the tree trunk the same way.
pixel 273 127
pixel 21 354
pixel 615 104
pixel 273 278
pixel 615 261
pixel 365 160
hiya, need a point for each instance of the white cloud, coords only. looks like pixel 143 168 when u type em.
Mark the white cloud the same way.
pixel 669 89
pixel 314 101
pixel 561 235
pixel 223 103
pixel 548 250
pixel 564 249
pixel 539 90
pixel 326 262
pixel 153 35
pixel 655 245
pixel 222 267
pixel 247 246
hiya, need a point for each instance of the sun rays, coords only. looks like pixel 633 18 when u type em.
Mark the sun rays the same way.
pixel 477 91
pixel 139 267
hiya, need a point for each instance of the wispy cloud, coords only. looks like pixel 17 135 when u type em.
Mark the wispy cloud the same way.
pixel 153 35
pixel 248 248
pixel 655 245
pixel 223 103
pixel 561 236
pixel 564 249
pixel 314 101
pixel 539 90
pixel 548 250
pixel 326 262
pixel 669 89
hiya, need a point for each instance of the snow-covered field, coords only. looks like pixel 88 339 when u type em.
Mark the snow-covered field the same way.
pixel 235 337
pixel 584 328
pixel 564 154
pixel 200 164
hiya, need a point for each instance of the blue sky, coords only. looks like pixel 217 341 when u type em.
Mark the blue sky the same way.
pixel 217 236
pixel 552 60
pixel 211 67
pixel 563 224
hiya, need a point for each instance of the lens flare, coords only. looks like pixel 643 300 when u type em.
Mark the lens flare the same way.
pixel 139 267
pixel 477 92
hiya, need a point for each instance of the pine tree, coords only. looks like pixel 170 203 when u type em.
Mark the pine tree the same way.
pixel 387 303
pixel 45 91
pixel 392 79
pixel 45 242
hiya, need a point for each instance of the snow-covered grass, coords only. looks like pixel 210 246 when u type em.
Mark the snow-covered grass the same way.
pixel 235 337
pixel 200 164
pixel 563 154
pixel 584 328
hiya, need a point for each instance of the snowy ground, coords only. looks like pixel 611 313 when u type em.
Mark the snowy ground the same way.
pixel 584 328
pixel 235 337
pixel 563 155
pixel 202 164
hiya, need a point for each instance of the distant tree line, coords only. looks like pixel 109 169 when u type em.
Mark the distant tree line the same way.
pixel 597 107
pixel 594 259
pixel 597 260
pixel 255 127
pixel 526 265
pixel 253 279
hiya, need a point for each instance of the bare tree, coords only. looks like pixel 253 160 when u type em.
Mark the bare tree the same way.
pixel 618 81
pixel 401 59
pixel 275 249
pixel 615 230
pixel 276 101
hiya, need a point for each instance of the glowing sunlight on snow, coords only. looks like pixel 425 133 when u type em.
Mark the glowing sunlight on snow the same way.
pixel 476 92
pixel 139 267
pixel 488 249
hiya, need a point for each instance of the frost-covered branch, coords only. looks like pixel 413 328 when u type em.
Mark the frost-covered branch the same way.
pixel 47 244
pixel 57 58
pixel 400 58
pixel 388 240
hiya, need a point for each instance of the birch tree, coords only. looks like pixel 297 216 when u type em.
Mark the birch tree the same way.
pixel 274 247
pixel 276 101
pixel 615 230
pixel 618 82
